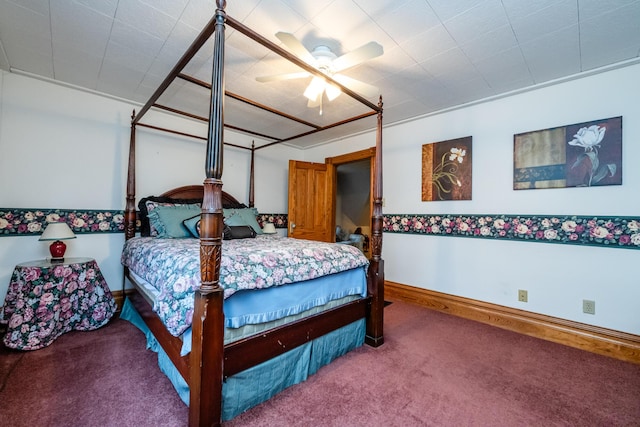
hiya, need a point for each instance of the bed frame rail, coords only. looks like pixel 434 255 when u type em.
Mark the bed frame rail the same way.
pixel 251 351
pixel 243 354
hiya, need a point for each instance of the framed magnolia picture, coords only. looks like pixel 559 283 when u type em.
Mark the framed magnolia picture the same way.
pixel 580 155
pixel 446 170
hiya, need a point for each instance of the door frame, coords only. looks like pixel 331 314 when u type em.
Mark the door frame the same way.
pixel 367 153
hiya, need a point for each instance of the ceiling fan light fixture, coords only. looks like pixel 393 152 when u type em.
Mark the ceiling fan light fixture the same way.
pixel 327 62
pixel 333 91
pixel 315 88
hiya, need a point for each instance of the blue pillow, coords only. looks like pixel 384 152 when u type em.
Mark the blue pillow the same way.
pixel 244 216
pixel 167 220
pixel 193 225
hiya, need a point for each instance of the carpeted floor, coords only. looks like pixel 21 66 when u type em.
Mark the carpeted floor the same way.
pixel 433 370
pixel 100 378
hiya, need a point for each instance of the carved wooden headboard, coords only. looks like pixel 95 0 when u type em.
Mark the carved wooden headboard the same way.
pixel 197 192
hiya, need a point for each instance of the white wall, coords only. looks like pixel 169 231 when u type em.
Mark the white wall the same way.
pixel 557 277
pixel 82 139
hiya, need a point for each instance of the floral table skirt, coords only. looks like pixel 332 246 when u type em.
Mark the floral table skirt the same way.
pixel 46 300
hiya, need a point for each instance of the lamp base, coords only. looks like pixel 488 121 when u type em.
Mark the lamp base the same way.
pixel 53 260
pixel 57 250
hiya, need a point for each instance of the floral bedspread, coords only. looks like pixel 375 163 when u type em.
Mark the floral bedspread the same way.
pixel 173 267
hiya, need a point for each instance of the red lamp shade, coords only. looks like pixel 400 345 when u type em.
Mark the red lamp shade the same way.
pixel 57 231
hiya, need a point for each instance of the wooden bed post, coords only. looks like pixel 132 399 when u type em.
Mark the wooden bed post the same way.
pixel 130 207
pixel 375 279
pixel 207 354
pixel 251 178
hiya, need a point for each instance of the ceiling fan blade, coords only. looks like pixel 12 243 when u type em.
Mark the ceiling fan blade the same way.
pixel 278 77
pixel 362 88
pixel 357 56
pixel 296 47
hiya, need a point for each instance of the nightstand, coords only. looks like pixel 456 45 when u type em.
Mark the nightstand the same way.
pixel 46 299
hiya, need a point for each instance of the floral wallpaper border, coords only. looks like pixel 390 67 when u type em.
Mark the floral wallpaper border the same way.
pixel 279 220
pixel 18 221
pixel 25 222
pixel 604 231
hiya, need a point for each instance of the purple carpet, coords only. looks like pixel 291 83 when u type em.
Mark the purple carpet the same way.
pixel 99 378
pixel 433 370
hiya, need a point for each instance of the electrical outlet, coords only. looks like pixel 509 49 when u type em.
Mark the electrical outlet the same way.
pixel 522 295
pixel 588 306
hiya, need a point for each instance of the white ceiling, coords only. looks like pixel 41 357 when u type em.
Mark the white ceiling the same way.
pixel 438 54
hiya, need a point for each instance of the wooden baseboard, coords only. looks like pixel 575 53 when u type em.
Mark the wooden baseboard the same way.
pixel 607 342
pixel 118 296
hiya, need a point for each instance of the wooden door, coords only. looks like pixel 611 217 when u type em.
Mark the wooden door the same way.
pixel 312 201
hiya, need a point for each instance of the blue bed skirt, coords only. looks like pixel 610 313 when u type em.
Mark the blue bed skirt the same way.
pixel 255 385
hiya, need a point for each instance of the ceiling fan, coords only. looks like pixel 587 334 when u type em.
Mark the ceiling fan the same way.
pixel 323 58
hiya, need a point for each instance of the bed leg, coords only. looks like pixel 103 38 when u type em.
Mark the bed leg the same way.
pixel 375 318
pixel 206 360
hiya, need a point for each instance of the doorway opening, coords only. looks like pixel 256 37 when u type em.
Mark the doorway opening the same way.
pixel 353 197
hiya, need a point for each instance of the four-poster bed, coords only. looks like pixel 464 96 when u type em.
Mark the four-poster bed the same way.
pixel 210 364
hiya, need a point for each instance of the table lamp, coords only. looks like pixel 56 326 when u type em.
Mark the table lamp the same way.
pixel 269 228
pixel 57 231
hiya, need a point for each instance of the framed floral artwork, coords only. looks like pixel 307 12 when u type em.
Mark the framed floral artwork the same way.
pixel 446 170
pixel 579 155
